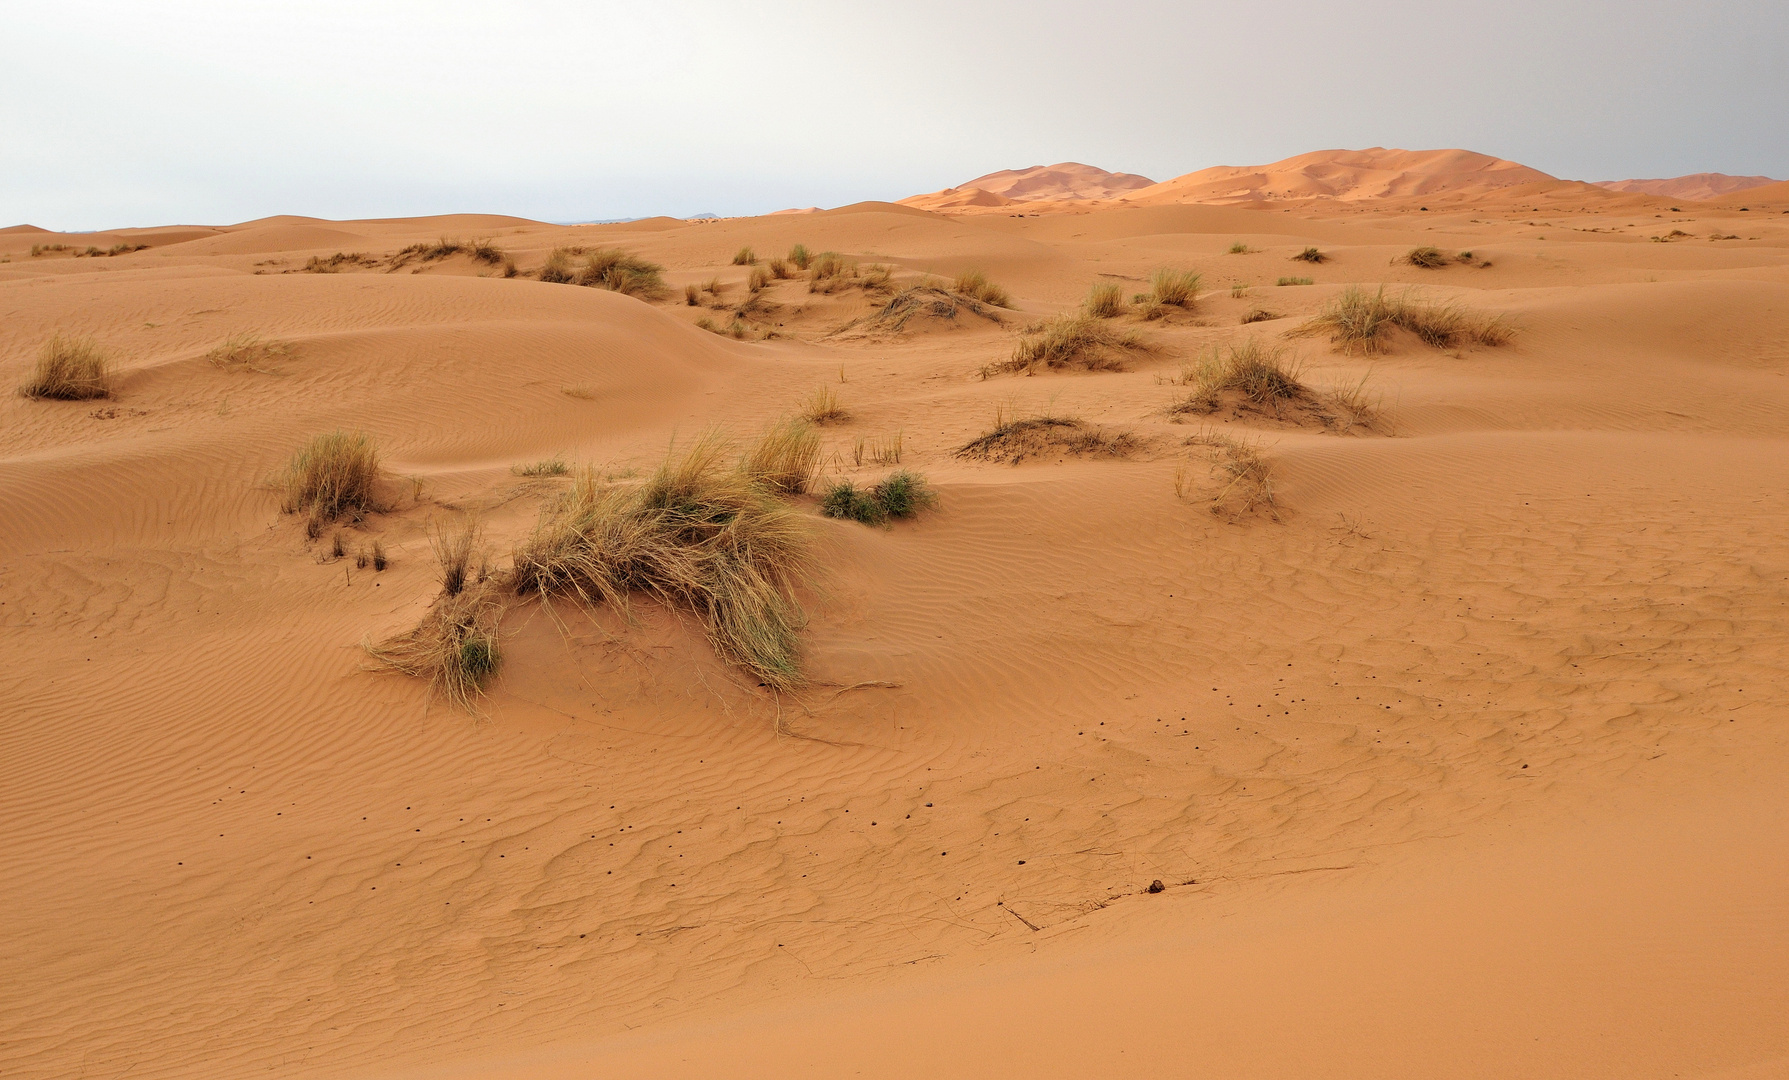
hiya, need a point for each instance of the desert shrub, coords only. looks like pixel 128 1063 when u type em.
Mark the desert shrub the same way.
pixel 125 249
pixel 829 271
pixel 485 252
pixel 379 559
pixel 1174 288
pixel 1426 257
pixel 822 407
pixel 332 477
pixel 1310 255
pixel 975 284
pixel 1357 319
pixel 248 352
pixel 553 466
pixel 692 295
pixel 923 301
pixel 1251 371
pixel 757 279
pixel 1071 341
pixel 798 255
pixel 785 458
pixel 459 552
pixel 1105 300
pixel 714 286
pixel 1255 315
pixel 745 256
pixel 697 534
pixel 779 269
pixel 70 369
pixel 1240 248
pixel 900 495
pixel 1013 439
pixel 332 264
pixel 1294 281
pixel 618 271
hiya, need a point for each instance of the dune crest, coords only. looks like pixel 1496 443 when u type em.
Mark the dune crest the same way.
pixel 1702 185
pixel 1346 175
pixel 1066 181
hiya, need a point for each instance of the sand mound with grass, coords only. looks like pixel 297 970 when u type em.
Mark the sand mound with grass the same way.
pixel 926 309
pixel 1466 747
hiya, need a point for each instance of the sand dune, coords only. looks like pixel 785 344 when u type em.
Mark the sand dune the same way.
pixel 1694 186
pixel 1068 181
pixel 1466 761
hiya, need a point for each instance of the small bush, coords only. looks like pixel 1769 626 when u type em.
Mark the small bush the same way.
pixel 975 284
pixel 1012 440
pixel 822 407
pixel 1310 255
pixel 557 270
pixel 692 295
pixel 485 252
pixel 829 271
pixel 744 257
pixel 332 477
pixel 1105 300
pixel 1240 248
pixel 379 559
pixel 1254 373
pixel 786 458
pixel 1246 476
pixel 1174 288
pixel 798 255
pixel 70 369
pixel 333 264
pixel 249 352
pixel 900 495
pixel 455 647
pixel 1295 281
pixel 779 269
pixel 1255 315
pixel 758 278
pixel 460 555
pixel 1071 341
pixel 1427 258
pixel 618 271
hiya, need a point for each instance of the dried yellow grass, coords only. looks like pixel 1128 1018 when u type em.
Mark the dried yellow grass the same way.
pixel 249 352
pixel 332 477
pixel 786 458
pixel 1105 300
pixel 975 284
pixel 1070 341
pixel 1359 320
pixel 70 369
pixel 822 407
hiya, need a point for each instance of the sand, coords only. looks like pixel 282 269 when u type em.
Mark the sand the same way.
pixel 1469 765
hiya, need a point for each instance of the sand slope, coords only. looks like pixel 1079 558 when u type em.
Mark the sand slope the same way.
pixel 1467 766
pixel 1693 186
pixel 1347 175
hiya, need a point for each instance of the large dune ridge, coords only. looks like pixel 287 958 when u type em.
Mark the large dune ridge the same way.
pixel 1464 760
pixel 1702 186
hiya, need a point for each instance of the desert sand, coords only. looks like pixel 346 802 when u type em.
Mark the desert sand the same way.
pixel 1463 758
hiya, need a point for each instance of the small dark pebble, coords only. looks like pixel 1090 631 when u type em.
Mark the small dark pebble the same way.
pixel 1156 886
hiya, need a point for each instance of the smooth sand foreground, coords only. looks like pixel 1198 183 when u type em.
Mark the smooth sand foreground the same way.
pixel 1468 766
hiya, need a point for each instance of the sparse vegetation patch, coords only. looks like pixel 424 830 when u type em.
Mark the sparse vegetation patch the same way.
pixel 70 369
pixel 332 478
pixel 1067 341
pixel 1105 300
pixel 1359 320
pixel 1015 439
pixel 249 352
pixel 975 285
pixel 900 495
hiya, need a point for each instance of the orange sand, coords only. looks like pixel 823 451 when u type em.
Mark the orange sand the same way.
pixel 1469 767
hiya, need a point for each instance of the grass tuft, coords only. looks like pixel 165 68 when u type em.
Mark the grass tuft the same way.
pixel 332 477
pixel 70 369
pixel 900 495
pixel 1427 258
pixel 798 255
pixel 249 352
pixel 1295 281
pixel 553 466
pixel 822 407
pixel 757 279
pixel 697 534
pixel 1013 439
pixel 1256 374
pixel 1070 341
pixel 1240 248
pixel 975 285
pixel 745 256
pixel 461 555
pixel 785 458
pixel 692 295
pixel 1174 288
pixel 1359 320
pixel 1310 255
pixel 1246 476
pixel 618 271
pixel 1105 300
pixel 557 270
pixel 779 269
pixel 455 646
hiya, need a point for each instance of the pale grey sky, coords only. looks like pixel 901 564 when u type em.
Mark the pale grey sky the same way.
pixel 138 113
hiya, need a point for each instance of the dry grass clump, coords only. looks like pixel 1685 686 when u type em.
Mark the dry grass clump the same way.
pixel 1295 281
pixel 822 407
pixel 1105 300
pixel 976 285
pixel 249 352
pixel 745 256
pixel 333 477
pixel 455 646
pixel 900 495
pixel 1071 341
pixel 692 295
pixel 1246 476
pixel 1255 315
pixel 785 458
pixel 1310 255
pixel 1357 319
pixel 757 279
pixel 737 329
pixel 70 369
pixel 1013 439
pixel 697 534
pixel 557 270
pixel 1174 288
pixel 1426 257
pixel 333 264
pixel 1240 248
pixel 829 272
pixel 478 250
pixel 460 552
pixel 779 269
pixel 618 271
pixel 883 450
pixel 923 301
pixel 553 466
pixel 45 249
pixel 1256 374
pixel 798 255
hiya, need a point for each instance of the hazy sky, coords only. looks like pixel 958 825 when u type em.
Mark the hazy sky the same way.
pixel 138 113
